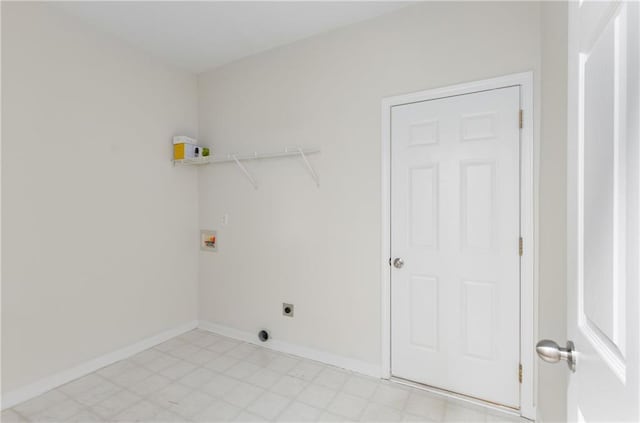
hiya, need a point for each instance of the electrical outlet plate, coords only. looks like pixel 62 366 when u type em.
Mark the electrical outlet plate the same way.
pixel 287 310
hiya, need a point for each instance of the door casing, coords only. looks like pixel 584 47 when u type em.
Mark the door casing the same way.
pixel 528 217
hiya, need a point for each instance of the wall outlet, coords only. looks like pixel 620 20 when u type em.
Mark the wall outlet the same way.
pixel 287 310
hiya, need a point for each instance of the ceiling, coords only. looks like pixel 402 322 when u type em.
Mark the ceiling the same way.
pixel 199 36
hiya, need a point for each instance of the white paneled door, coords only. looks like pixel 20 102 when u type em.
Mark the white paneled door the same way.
pixel 455 229
pixel 603 215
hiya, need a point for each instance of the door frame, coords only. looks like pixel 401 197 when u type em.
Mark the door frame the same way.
pixel 528 222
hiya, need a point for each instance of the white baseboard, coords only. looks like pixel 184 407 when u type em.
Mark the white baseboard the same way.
pixel 58 379
pixel 358 366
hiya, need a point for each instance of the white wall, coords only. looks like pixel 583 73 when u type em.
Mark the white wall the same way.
pixel 99 230
pixel 320 248
pixel 552 230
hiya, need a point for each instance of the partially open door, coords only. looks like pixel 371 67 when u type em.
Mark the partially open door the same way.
pixel 603 231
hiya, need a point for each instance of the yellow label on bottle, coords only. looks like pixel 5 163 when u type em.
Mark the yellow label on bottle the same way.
pixel 178 151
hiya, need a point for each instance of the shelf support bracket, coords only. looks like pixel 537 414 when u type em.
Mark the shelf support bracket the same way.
pixel 313 173
pixel 245 171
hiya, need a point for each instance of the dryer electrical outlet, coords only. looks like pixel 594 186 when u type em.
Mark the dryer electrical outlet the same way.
pixel 287 310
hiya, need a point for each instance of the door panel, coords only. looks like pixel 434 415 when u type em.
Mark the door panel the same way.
pixel 455 223
pixel 603 211
pixel 423 203
pixel 478 181
pixel 598 176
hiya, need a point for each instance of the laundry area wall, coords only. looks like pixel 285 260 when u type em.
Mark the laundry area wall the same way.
pixel 319 248
pixel 98 228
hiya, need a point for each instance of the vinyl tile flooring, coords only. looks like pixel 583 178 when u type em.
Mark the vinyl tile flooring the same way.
pixel 203 377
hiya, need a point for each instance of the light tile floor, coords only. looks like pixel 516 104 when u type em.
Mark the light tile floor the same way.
pixel 203 377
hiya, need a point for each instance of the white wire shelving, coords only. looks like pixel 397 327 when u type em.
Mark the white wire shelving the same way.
pixel 239 158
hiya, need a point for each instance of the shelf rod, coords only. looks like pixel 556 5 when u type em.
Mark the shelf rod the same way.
pixel 259 156
pixel 313 173
pixel 245 171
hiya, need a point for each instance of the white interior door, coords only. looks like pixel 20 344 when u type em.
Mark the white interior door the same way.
pixel 603 211
pixel 455 224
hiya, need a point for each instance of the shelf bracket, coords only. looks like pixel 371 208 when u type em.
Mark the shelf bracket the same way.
pixel 245 171
pixel 313 173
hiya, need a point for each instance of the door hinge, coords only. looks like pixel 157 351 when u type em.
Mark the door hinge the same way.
pixel 520 373
pixel 520 246
pixel 520 118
